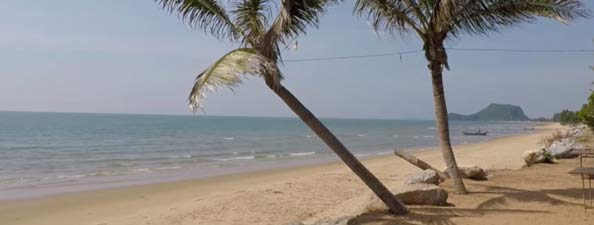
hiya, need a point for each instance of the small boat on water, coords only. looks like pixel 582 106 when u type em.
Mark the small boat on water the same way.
pixel 477 133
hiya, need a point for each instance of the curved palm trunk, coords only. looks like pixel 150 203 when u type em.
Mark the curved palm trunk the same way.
pixel 347 157
pixel 441 119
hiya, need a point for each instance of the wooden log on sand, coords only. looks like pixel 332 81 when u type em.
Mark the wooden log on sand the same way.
pixel 419 163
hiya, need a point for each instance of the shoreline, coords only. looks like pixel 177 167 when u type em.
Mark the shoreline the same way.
pixel 40 191
pixel 124 205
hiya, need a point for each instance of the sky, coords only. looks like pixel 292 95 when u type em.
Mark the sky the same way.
pixel 130 56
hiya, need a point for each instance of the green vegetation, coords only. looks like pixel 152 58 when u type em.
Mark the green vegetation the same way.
pixel 586 114
pixel 567 117
pixel 494 112
pixel 549 158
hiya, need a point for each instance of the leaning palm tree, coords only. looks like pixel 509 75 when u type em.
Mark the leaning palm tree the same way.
pixel 261 39
pixel 435 21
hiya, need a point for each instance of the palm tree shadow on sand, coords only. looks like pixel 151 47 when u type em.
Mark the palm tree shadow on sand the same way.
pixel 434 216
pixel 545 196
pixel 497 204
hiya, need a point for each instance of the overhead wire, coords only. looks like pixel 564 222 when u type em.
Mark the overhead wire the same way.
pixel 500 50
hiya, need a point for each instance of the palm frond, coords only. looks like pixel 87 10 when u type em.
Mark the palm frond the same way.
pixel 392 15
pixel 229 71
pixel 209 15
pixel 252 17
pixel 292 20
pixel 482 16
pixel 427 6
pixel 418 11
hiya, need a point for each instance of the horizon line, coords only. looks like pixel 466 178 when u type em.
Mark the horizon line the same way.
pixel 204 115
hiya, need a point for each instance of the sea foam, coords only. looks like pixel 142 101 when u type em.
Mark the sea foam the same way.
pixel 236 158
pixel 302 153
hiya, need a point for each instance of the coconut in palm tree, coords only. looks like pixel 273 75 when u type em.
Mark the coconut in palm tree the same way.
pixel 436 21
pixel 260 38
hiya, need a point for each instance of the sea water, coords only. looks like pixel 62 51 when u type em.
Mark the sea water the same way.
pixel 43 153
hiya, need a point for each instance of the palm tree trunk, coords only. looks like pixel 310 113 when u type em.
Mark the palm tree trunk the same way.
pixel 441 119
pixel 347 157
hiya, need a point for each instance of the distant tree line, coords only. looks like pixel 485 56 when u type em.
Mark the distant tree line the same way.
pixel 567 117
pixel 585 115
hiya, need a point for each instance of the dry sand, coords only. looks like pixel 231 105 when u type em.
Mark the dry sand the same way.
pixel 543 194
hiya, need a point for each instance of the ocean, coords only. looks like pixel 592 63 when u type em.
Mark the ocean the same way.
pixel 49 153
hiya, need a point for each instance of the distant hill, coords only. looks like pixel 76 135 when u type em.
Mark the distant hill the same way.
pixel 494 111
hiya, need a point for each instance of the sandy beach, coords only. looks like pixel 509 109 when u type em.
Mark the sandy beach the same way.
pixel 286 196
pixel 317 112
